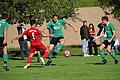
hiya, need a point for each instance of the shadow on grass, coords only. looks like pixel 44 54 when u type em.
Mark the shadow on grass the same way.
pixel 95 63
pixel 77 55
pixel 14 58
pixel 30 66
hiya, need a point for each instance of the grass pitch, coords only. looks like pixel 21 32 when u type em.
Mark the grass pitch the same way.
pixel 74 67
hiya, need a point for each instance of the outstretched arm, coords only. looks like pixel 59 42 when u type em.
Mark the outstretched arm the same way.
pixel 72 27
pixel 50 35
pixel 102 33
pixel 16 38
pixel 112 36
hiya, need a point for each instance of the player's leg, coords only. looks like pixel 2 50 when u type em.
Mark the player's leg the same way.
pixel 60 45
pixel 5 58
pixel 38 56
pixel 111 52
pixel 51 46
pixel 29 61
pixel 46 52
pixel 102 53
pixel 53 43
pixel 32 52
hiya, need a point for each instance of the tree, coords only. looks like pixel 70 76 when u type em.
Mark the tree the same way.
pixel 113 5
pixel 27 9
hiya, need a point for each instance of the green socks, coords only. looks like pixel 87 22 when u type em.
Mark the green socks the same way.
pixel 112 54
pixel 102 53
pixel 5 57
pixel 58 48
pixel 50 56
pixel 38 58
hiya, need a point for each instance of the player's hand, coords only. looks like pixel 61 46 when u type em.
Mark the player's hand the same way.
pixel 75 30
pixel 5 41
pixel 51 35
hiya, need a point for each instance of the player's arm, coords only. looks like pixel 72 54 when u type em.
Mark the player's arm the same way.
pixel 72 27
pixel 101 34
pixel 45 28
pixel 5 36
pixel 19 36
pixel 112 28
pixel 112 36
pixel 49 35
pixel 16 38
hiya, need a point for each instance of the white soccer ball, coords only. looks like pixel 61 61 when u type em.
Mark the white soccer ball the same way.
pixel 67 53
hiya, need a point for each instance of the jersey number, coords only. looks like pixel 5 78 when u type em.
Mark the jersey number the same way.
pixel 33 35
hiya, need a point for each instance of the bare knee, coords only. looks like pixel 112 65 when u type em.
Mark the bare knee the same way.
pixel 108 48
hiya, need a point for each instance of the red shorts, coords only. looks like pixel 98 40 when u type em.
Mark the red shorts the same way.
pixel 38 45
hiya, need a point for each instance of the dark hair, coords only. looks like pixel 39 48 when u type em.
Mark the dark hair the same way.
pixel 4 15
pixel 55 15
pixel 32 21
pixel 105 18
pixel 84 21
pixel 20 21
pixel 93 29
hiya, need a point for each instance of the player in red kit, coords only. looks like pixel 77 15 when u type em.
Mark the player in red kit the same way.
pixel 34 36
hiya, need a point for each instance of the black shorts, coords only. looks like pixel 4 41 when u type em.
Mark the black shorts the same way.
pixel 1 43
pixel 55 40
pixel 106 43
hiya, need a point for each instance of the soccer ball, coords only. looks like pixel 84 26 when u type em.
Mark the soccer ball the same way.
pixel 67 53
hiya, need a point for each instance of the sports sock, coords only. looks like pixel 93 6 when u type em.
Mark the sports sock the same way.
pixel 29 60
pixel 58 48
pixel 50 56
pixel 45 54
pixel 112 54
pixel 102 53
pixel 5 57
pixel 38 57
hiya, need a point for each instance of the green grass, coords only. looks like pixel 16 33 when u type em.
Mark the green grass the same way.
pixel 65 68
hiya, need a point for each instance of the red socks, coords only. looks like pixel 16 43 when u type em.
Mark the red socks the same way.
pixel 45 55
pixel 29 60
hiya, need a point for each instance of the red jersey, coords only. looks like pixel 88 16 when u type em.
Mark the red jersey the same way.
pixel 33 34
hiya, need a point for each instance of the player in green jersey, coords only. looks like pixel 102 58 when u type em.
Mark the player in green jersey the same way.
pixel 109 34
pixel 56 25
pixel 3 39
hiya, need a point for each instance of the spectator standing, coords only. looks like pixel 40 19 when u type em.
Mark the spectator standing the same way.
pixel 84 32
pixel 92 43
pixel 23 40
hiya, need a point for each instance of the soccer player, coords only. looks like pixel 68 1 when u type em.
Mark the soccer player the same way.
pixel 109 34
pixel 34 36
pixel 3 39
pixel 58 40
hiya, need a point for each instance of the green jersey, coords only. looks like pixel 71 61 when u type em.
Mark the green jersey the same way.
pixel 3 25
pixel 109 30
pixel 57 27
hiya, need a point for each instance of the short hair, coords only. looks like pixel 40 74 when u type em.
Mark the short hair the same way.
pixel 32 21
pixel 84 21
pixel 4 15
pixel 20 21
pixel 55 15
pixel 105 18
